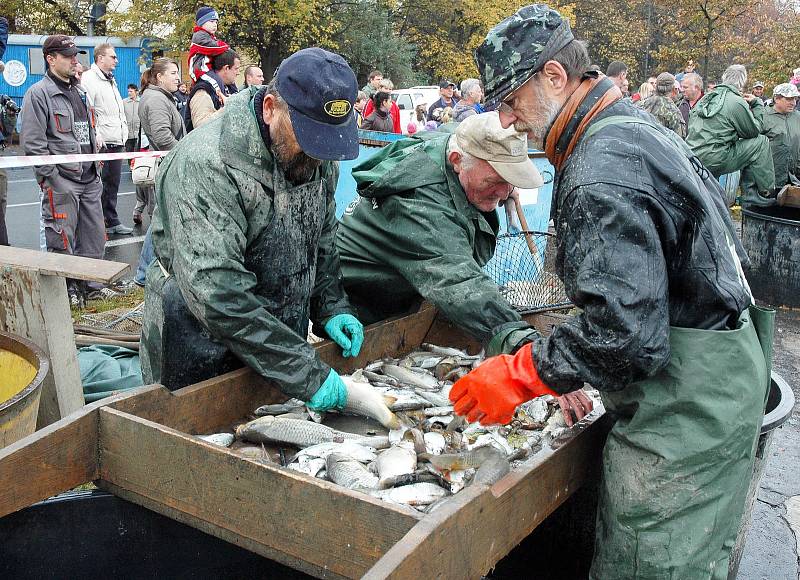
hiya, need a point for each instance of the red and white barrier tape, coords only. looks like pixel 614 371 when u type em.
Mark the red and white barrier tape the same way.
pixel 17 161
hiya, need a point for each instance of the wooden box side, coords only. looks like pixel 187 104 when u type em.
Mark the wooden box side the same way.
pixel 303 522
pixel 215 404
pixel 467 536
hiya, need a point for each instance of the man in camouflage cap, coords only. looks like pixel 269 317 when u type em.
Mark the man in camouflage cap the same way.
pixel 647 251
pixel 662 106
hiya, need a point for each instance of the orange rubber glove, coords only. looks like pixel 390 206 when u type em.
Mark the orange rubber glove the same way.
pixel 492 392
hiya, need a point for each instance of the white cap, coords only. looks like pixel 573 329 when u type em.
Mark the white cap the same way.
pixel 786 90
pixel 506 150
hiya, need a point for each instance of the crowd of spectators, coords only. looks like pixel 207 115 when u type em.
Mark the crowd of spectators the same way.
pixel 731 127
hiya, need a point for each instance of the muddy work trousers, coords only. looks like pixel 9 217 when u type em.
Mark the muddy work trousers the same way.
pixel 678 462
pixel 72 216
pixel 750 156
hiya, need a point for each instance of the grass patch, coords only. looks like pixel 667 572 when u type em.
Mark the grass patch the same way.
pixel 85 487
pixel 97 306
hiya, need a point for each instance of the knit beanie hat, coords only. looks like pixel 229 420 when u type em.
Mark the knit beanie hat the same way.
pixel 205 14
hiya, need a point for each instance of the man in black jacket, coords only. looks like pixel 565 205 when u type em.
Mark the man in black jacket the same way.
pixel 647 251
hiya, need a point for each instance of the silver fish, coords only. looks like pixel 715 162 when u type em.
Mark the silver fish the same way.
pixel 439 411
pixel 465 460
pixel 254 452
pixel 299 433
pixel 221 439
pixel 379 378
pixel 374 366
pixel 435 399
pixel 436 505
pixel 448 351
pixel 419 476
pixel 537 409
pixel 316 416
pixel 297 416
pixel 492 470
pixel 398 460
pixel 364 400
pixel 349 473
pixel 290 406
pixel 435 443
pixel 416 494
pixel 458 479
pixel 420 380
pixel 353 450
pixel 308 465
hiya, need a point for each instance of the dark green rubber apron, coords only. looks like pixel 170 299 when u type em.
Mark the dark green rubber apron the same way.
pixel 679 459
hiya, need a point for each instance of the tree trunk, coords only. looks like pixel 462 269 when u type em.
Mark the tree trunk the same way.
pixel 270 54
pixel 707 55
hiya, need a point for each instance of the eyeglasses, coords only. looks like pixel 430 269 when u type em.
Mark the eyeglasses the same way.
pixel 505 105
pixel 114 56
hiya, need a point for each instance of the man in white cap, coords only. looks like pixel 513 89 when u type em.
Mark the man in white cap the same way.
pixel 781 124
pixel 425 223
pixel 758 90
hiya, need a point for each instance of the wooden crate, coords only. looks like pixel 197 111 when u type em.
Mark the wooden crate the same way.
pixel 139 446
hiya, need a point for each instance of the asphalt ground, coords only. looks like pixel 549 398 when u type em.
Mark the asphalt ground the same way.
pixel 23 211
pixel 771 551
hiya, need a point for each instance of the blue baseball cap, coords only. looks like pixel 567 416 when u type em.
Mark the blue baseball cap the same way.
pixel 320 89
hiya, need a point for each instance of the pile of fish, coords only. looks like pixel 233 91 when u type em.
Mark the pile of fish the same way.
pixel 428 454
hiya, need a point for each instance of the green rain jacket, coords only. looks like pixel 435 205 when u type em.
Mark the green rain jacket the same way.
pixel 412 234
pixel 214 202
pixel 783 132
pixel 718 120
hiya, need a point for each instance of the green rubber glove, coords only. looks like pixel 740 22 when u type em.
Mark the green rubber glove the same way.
pixel 332 394
pixel 346 331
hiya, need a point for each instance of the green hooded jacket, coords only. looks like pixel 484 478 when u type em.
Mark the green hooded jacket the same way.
pixel 412 234
pixel 783 132
pixel 720 119
pixel 214 203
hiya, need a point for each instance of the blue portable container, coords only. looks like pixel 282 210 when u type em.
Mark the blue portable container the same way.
pixel 25 64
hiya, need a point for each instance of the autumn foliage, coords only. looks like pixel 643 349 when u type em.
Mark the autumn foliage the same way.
pixel 421 41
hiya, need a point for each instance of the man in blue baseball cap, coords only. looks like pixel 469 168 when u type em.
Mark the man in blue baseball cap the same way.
pixel 244 233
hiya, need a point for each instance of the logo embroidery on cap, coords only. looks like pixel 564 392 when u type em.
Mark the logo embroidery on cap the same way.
pixel 337 108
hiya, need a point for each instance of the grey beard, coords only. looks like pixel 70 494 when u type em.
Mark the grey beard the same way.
pixel 537 130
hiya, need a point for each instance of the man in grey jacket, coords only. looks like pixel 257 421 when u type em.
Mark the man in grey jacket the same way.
pixel 112 127
pixel 56 120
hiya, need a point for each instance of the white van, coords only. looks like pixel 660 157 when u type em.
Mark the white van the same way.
pixel 409 99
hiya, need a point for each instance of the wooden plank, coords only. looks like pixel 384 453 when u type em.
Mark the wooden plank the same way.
pixel 37 307
pixel 63 265
pixel 217 402
pixel 207 406
pixel 54 459
pixel 278 513
pixel 387 338
pixel 789 196
pixel 467 536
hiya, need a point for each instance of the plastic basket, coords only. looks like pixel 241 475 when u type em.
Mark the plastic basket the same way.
pixel 522 266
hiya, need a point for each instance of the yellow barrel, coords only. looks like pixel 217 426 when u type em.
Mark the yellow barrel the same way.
pixel 23 367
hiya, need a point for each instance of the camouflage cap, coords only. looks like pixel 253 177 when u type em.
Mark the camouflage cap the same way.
pixel 518 47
